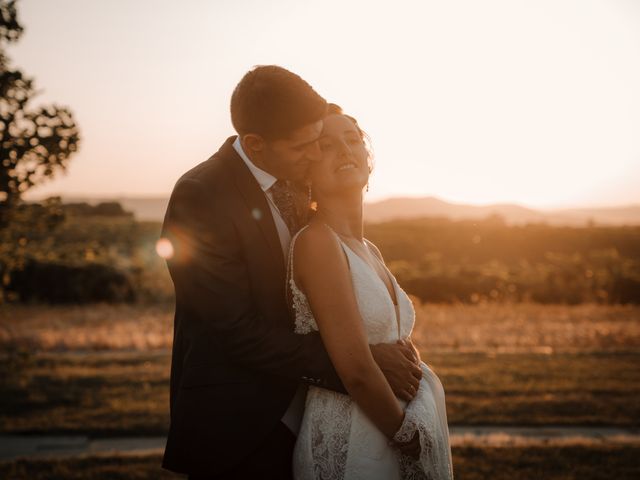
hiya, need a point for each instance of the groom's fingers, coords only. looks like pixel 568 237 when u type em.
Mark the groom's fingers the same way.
pixel 416 372
pixel 414 350
pixel 413 379
pixel 406 351
pixel 409 351
pixel 406 396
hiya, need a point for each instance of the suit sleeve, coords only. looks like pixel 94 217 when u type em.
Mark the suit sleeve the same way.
pixel 210 275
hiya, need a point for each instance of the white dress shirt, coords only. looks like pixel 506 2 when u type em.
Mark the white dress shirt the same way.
pixel 292 418
pixel 266 181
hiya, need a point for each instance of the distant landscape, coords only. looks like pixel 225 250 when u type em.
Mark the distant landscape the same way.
pixel 153 208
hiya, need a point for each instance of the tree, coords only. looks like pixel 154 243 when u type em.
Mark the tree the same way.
pixel 35 143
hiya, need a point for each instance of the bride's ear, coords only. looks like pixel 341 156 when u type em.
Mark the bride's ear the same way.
pixel 252 142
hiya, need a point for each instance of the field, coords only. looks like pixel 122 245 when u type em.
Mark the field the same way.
pixel 102 370
pixel 470 463
pixel 127 393
pixel 488 327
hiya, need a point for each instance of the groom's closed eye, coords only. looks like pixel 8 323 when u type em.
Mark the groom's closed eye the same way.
pixel 303 146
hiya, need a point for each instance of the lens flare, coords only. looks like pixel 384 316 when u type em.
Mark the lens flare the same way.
pixel 164 248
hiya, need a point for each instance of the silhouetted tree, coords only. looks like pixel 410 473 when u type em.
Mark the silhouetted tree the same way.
pixel 35 143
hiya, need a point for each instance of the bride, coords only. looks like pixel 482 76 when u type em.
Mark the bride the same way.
pixel 340 286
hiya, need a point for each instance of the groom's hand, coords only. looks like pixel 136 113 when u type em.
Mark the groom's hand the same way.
pixel 409 343
pixel 400 367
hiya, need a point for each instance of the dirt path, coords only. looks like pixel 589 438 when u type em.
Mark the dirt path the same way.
pixel 33 446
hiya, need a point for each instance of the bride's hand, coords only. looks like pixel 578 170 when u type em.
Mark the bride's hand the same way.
pixel 411 448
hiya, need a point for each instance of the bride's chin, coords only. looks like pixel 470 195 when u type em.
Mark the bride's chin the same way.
pixel 351 188
pixel 352 184
pixel 345 188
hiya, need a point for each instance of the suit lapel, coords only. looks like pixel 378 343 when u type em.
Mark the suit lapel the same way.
pixel 255 201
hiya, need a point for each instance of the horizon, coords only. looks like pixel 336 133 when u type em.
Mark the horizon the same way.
pixel 119 197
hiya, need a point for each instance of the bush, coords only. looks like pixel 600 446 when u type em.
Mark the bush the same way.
pixel 60 283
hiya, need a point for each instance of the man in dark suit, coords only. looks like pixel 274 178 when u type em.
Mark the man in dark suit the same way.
pixel 238 370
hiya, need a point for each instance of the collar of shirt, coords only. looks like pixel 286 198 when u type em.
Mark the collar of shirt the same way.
pixel 265 180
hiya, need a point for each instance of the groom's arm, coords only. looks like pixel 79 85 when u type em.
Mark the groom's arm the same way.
pixel 210 276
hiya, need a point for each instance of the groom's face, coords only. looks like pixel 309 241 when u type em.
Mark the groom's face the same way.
pixel 290 158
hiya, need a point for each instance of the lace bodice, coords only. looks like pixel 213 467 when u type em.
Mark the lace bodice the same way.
pixel 376 306
pixel 336 439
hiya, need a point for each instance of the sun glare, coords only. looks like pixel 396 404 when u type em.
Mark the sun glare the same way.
pixel 164 248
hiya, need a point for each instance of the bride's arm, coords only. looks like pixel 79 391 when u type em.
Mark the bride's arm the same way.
pixel 322 272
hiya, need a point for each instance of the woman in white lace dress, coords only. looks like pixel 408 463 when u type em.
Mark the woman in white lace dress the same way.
pixel 340 286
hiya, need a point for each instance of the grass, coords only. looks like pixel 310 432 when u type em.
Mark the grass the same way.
pixel 549 463
pixel 484 327
pixel 527 327
pixel 593 388
pixel 100 394
pixel 103 370
pixel 469 463
pixel 118 393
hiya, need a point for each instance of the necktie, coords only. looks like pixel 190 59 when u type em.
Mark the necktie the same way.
pixel 284 198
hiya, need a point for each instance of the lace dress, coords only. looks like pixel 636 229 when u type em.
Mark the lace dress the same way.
pixel 336 439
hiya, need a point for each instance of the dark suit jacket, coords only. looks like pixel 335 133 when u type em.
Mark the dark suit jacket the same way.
pixel 236 362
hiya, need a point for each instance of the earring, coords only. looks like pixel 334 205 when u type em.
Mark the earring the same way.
pixel 309 194
pixel 367 186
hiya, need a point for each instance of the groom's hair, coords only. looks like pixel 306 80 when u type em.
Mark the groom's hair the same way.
pixel 272 102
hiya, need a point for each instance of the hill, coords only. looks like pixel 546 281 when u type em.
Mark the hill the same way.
pixel 153 208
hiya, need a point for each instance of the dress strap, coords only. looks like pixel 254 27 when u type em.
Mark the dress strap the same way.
pixel 289 281
pixel 290 256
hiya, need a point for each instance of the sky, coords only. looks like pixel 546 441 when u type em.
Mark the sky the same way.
pixel 501 101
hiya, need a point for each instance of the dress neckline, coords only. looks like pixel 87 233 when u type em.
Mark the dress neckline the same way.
pixel 396 304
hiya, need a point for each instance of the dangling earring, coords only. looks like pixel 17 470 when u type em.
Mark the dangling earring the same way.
pixel 367 186
pixel 311 204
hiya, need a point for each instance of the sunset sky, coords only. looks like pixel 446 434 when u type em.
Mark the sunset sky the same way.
pixel 536 103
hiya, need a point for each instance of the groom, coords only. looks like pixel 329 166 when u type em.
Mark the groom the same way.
pixel 238 372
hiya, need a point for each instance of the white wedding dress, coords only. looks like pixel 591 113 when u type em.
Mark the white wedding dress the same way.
pixel 336 439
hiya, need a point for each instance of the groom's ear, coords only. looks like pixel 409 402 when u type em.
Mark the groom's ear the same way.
pixel 253 142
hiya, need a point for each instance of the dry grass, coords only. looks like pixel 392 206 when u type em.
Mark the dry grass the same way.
pixel 468 328
pixel 123 394
pixel 546 462
pixel 86 327
pixel 539 389
pixel 527 327
pixel 469 463
pixel 500 364
pixel 99 394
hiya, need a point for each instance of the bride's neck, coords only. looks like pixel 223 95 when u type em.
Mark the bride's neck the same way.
pixel 343 215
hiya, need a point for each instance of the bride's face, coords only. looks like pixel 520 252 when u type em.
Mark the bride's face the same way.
pixel 344 163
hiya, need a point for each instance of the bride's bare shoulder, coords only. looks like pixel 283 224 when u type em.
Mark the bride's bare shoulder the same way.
pixel 316 243
pixel 316 234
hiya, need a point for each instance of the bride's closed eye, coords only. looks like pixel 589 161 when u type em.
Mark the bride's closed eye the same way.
pixel 326 145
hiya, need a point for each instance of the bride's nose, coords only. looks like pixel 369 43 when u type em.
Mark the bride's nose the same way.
pixel 344 149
